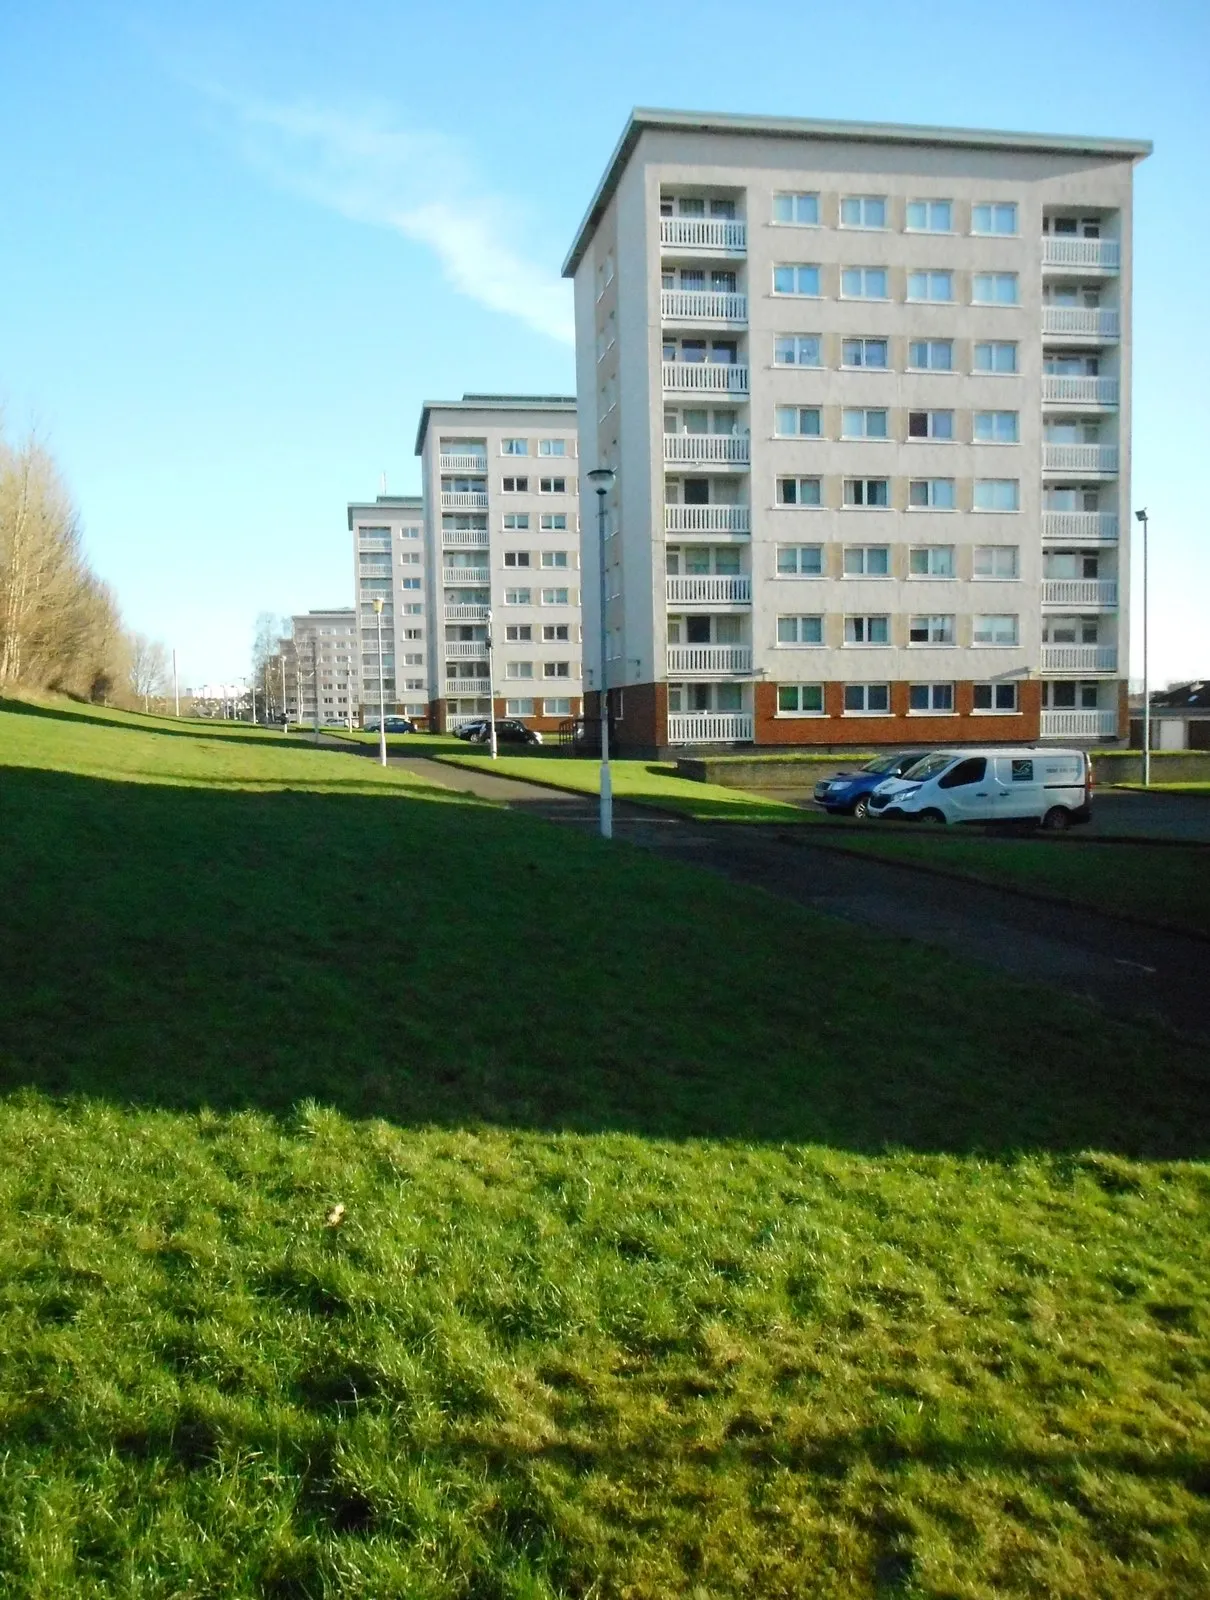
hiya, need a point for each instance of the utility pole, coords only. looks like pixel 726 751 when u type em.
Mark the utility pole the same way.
pixel 382 702
pixel 491 687
pixel 1142 517
pixel 602 479
pixel 176 687
pixel 285 715
pixel 315 675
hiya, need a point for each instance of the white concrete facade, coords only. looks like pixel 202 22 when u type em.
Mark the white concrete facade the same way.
pixel 501 496
pixel 866 390
pixel 321 668
pixel 389 561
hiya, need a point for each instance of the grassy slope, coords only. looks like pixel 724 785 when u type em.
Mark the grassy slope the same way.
pixel 668 1264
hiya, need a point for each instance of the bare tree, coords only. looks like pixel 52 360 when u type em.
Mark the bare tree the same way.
pixel 150 672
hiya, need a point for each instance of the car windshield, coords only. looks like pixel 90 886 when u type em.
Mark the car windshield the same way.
pixel 880 764
pixel 929 766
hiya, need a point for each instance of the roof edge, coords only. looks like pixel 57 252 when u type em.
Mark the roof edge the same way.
pixel 514 402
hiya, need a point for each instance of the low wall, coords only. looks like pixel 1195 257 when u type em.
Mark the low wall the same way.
pixel 1167 766
pixel 802 772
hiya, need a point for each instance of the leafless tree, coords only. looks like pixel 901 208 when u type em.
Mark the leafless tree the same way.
pixel 150 673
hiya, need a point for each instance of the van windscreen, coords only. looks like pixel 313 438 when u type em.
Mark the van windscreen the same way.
pixel 929 766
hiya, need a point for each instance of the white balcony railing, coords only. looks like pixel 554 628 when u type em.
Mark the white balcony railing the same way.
pixel 1079 724
pixel 463 462
pixel 1062 250
pixel 1079 592
pixel 460 577
pixel 474 538
pixel 1080 457
pixel 709 377
pixel 470 650
pixel 709 727
pixel 1080 526
pixel 464 499
pixel 706 447
pixel 1079 658
pixel 1076 389
pixel 709 589
pixel 707 519
pixel 702 305
pixel 476 688
pixel 466 613
pixel 709 658
pixel 703 233
pixel 1084 322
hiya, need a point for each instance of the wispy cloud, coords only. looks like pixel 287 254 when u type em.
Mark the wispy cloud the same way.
pixel 420 184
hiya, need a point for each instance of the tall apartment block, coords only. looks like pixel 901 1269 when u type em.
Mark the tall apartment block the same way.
pixel 866 390
pixel 501 498
pixel 389 544
pixel 321 669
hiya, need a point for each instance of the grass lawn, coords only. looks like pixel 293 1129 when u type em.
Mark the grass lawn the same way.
pixel 1166 788
pixel 690 1244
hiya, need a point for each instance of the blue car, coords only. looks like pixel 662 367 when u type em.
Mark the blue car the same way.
pixel 848 793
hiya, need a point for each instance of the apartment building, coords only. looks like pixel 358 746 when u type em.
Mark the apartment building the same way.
pixel 866 391
pixel 389 547
pixel 501 497
pixel 321 667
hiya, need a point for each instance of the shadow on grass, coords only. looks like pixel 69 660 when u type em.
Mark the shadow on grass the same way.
pixel 457 964
pixel 247 733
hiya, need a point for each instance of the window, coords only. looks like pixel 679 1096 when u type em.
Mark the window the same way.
pixel 516 521
pixel 867 561
pixel 518 669
pixel 515 485
pixel 514 447
pixel 412 610
pixel 931 561
pixel 800 699
pixel 994 218
pixel 409 533
pixel 865 423
pixel 800 561
pixel 516 558
pixel 553 522
pixel 554 597
pixel 997 494
pixel 556 708
pixel 996 427
pixel 518 632
pixel 935 697
pixel 863 211
pixel 792 279
pixel 869 492
pixel 413 661
pixel 799 492
pixel 931 355
pixel 995 697
pixel 864 353
pixel 790 421
pixel 519 708
pixel 556 669
pixel 931 630
pixel 410 558
pixel 552 485
pixel 555 558
pixel 996 355
pixel 864 283
pixel 868 698
pixel 517 597
pixel 556 633
pixel 800 630
pixel 994 289
pixel 931 494
pixel 552 447
pixel 1000 630
pixel 996 561
pixel 930 424
pixel 972 770
pixel 798 350
pixel 867 630
pixel 410 583
pixel 800 208
pixel 930 216
pixel 930 286
pixel 411 633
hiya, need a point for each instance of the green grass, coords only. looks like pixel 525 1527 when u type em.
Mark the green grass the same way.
pixel 692 1244
pixel 1166 788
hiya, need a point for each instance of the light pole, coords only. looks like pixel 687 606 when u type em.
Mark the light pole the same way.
pixel 382 708
pixel 1142 517
pixel 491 688
pixel 602 479
pixel 252 692
pixel 285 714
pixel 176 686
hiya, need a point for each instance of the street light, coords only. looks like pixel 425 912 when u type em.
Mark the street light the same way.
pixel 382 708
pixel 491 687
pixel 602 479
pixel 1142 517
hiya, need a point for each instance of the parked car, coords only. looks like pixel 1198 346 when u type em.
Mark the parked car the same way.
pixel 394 724
pixel 1051 788
pixel 507 732
pixel 848 793
pixel 471 730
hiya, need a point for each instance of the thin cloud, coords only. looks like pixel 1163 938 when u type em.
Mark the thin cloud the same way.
pixel 417 183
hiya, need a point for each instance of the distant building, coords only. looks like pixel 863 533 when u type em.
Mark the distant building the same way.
pixel 1180 717
pixel 389 545
pixel 321 667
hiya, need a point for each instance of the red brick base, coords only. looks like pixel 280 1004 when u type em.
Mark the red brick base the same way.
pixel 898 728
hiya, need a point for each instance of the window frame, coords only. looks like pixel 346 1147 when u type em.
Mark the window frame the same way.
pixel 864 709
pixel 798 479
pixel 915 344
pixel 993 206
pixel 859 621
pixel 948 623
pixel 995 689
pixel 911 227
pixel 798 574
pixel 931 710
pixel 797 267
pixel 929 273
pixel 799 618
pixel 800 710
pixel 928 575
pixel 883 298
pixel 996 277
pixel 862 200
pixel 794 196
pixel 993 643
pixel 799 432
pixel 865 504
pixel 930 503
pixel 997 511
pixel 797 339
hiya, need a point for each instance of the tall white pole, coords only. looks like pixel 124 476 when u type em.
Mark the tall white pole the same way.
pixel 491 689
pixel 315 681
pixel 176 687
pixel 603 691
pixel 252 692
pixel 382 705
pixel 285 715
pixel 1142 516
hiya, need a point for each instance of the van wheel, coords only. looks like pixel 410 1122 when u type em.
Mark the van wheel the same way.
pixel 861 808
pixel 1057 820
pixel 933 818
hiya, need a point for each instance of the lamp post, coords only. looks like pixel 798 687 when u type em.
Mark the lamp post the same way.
pixel 1142 517
pixel 602 479
pixel 491 687
pixel 176 686
pixel 382 707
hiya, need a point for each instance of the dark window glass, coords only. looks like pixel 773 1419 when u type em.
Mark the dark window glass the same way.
pixel 966 772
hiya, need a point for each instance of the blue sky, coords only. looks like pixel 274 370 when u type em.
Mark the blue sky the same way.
pixel 242 242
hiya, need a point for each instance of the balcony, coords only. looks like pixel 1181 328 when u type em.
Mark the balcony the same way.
pixel 699 448
pixel 459 719
pixel 712 235
pixel 707 519
pixel 1081 527
pixel 1082 458
pixel 1100 592
pixel 466 613
pixel 472 650
pixel 464 500
pixel 709 659
pixel 1064 250
pixel 709 727
pixel 1082 658
pixel 475 538
pixel 704 377
pixel 1080 322
pixel 702 305
pixel 463 462
pixel 474 687
pixel 463 577
pixel 1079 724
pixel 708 589
pixel 1074 389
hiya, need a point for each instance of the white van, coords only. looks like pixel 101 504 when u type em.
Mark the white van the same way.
pixel 1052 788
